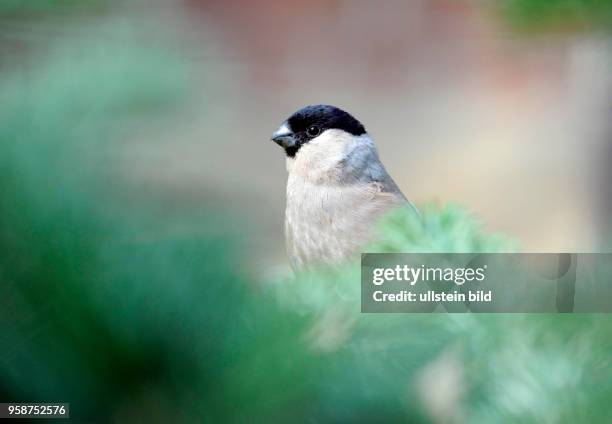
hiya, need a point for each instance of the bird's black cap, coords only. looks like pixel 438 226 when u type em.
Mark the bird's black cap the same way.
pixel 310 121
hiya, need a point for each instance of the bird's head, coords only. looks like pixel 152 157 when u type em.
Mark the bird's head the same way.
pixel 313 123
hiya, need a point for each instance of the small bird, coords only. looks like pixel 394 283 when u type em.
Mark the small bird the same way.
pixel 337 187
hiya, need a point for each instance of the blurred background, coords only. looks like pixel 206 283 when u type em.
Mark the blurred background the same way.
pixel 501 106
pixel 142 202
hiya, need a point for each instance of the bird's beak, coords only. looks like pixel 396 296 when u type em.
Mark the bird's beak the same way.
pixel 284 137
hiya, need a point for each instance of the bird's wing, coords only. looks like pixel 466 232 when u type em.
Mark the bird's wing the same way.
pixel 389 192
pixel 362 167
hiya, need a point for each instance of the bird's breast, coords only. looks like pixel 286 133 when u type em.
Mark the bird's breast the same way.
pixel 328 223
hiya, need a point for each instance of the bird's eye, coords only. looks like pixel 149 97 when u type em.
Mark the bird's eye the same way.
pixel 313 131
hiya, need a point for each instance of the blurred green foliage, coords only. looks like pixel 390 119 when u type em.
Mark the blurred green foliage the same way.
pixel 542 15
pixel 439 229
pixel 526 368
pixel 133 309
pixel 112 297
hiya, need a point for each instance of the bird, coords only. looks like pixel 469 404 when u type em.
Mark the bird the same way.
pixel 337 187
